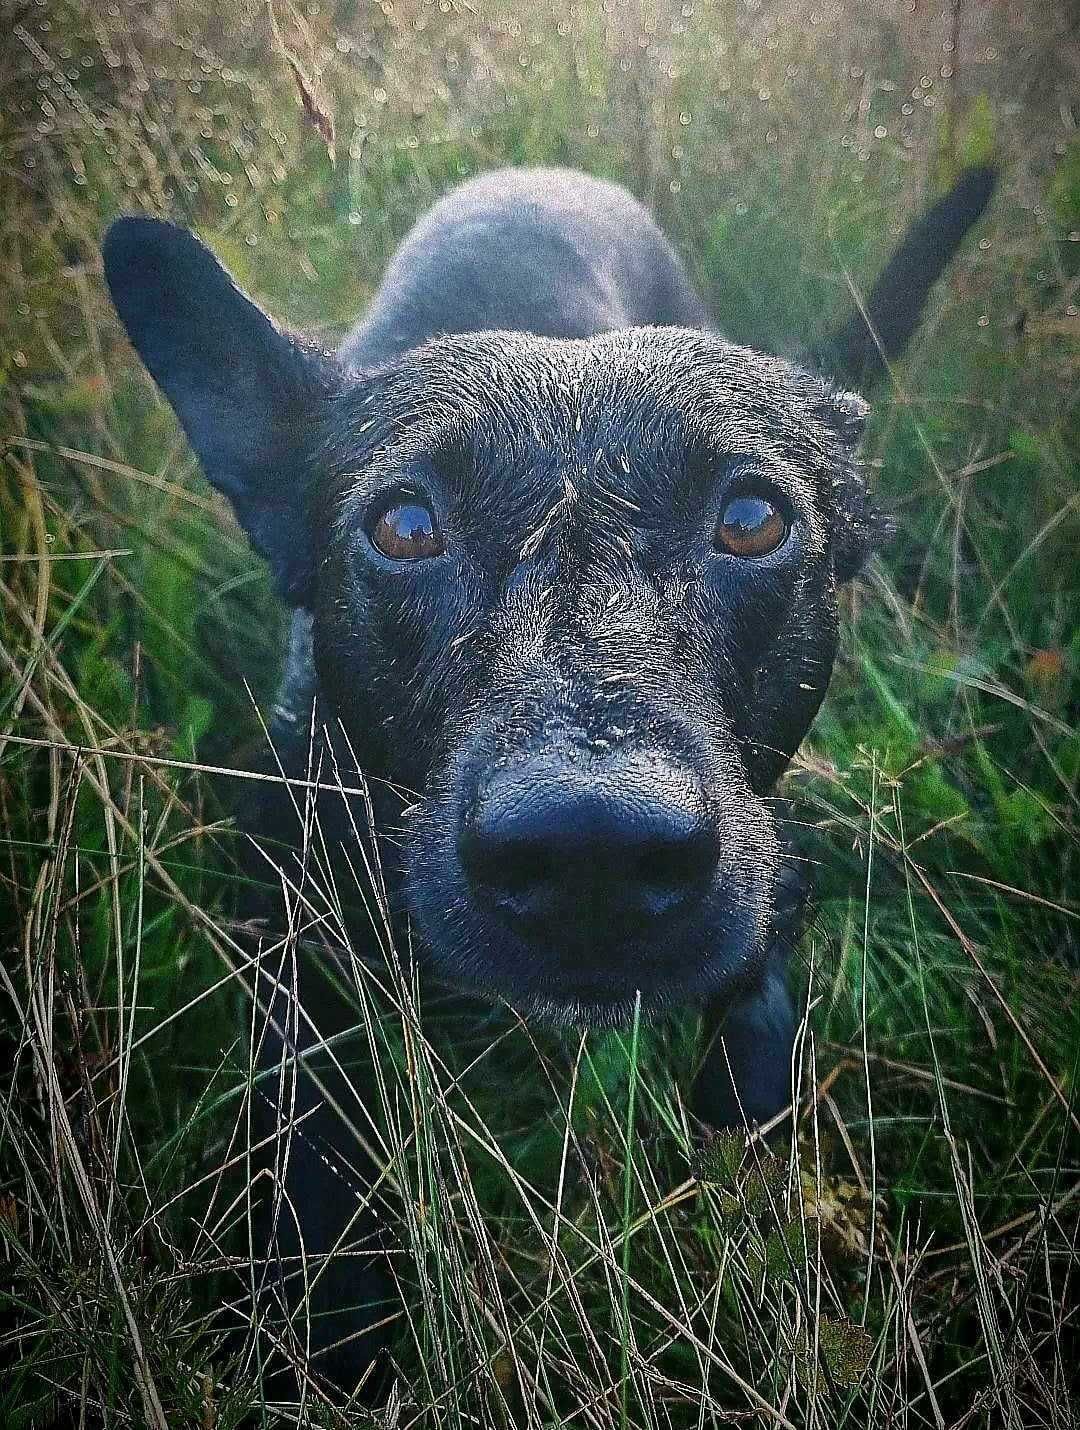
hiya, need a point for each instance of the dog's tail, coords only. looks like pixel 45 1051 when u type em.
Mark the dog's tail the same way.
pixel 859 350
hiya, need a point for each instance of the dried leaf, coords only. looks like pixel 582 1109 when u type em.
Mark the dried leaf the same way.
pixel 9 1211
pixel 843 1210
pixel 316 113
pixel 1045 668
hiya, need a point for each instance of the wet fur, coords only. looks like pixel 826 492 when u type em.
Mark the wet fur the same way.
pixel 581 621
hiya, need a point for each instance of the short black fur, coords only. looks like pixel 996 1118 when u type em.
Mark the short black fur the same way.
pixel 587 695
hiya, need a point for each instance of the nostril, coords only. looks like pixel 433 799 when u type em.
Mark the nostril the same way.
pixel 659 865
pixel 520 865
pixel 663 864
pixel 684 862
pixel 512 866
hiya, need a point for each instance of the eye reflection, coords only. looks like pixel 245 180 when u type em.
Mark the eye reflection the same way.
pixel 408 532
pixel 750 526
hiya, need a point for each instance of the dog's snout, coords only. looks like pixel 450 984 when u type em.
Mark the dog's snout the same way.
pixel 580 855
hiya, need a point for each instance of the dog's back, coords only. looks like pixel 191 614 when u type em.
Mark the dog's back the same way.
pixel 545 251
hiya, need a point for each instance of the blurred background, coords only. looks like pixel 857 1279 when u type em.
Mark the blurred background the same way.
pixel 783 146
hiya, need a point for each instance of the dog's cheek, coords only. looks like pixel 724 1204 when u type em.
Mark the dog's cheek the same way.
pixel 393 661
pixel 792 684
pixel 750 615
pixel 345 662
pixel 349 662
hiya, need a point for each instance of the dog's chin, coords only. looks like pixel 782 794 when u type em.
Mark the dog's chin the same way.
pixel 606 1006
pixel 606 989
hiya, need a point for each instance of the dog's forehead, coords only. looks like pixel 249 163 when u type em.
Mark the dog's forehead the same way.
pixel 620 382
pixel 633 386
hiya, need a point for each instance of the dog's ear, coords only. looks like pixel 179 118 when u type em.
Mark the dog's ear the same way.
pixel 246 393
pixel 860 528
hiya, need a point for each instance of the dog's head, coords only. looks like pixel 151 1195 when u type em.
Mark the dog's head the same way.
pixel 580 596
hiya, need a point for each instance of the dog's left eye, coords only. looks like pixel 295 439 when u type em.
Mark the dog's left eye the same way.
pixel 407 532
pixel 750 526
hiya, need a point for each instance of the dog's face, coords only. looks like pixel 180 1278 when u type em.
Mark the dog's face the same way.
pixel 579 596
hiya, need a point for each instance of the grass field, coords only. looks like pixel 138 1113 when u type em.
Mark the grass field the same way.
pixel 574 1256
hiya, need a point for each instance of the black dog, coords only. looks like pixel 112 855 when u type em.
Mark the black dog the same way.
pixel 564 562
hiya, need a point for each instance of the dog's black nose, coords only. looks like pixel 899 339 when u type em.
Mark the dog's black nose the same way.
pixel 581 855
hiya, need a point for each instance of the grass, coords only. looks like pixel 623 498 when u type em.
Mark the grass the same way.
pixel 575 1255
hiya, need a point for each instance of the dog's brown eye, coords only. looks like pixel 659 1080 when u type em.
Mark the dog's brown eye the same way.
pixel 408 533
pixel 750 526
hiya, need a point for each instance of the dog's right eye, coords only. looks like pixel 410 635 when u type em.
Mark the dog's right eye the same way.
pixel 750 526
pixel 407 531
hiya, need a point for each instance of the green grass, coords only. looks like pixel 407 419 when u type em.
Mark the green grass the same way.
pixel 573 1255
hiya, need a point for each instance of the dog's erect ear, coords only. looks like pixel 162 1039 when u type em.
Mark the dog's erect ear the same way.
pixel 245 392
pixel 860 528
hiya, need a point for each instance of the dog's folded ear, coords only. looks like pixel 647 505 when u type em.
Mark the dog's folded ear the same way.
pixel 246 393
pixel 860 527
